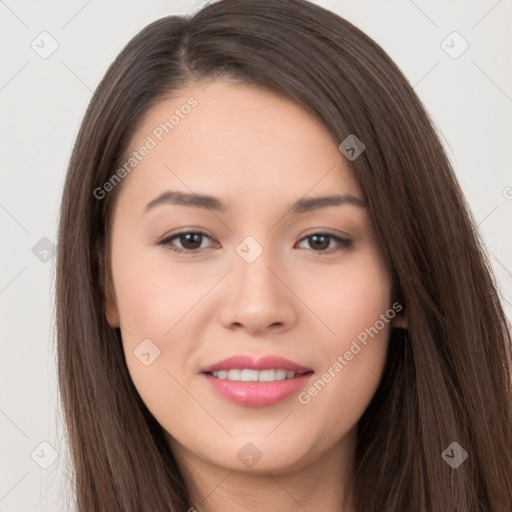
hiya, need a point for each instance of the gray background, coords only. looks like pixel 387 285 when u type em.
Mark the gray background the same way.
pixel 42 101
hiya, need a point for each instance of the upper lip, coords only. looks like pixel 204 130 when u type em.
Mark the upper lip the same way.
pixel 268 362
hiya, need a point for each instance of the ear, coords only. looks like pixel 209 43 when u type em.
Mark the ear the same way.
pixel 400 321
pixel 109 301
pixel 111 312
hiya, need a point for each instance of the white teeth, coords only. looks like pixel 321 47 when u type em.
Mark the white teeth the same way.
pixel 267 375
pixel 280 374
pixel 233 375
pixel 247 375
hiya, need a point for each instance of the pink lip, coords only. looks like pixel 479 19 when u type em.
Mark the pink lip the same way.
pixel 257 394
pixel 263 363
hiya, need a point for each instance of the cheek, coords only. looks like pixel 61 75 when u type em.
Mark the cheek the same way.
pixel 357 307
pixel 152 296
pixel 150 303
pixel 157 339
pixel 349 298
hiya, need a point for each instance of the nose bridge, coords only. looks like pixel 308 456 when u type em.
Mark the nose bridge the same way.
pixel 258 298
pixel 254 278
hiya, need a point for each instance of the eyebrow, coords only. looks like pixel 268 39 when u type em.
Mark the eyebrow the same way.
pixel 303 205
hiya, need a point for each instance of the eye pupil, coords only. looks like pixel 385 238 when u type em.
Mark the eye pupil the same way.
pixel 191 238
pixel 320 241
pixel 191 241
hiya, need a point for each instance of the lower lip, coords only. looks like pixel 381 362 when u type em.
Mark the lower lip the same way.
pixel 257 394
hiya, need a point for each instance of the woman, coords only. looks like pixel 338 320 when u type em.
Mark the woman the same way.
pixel 270 291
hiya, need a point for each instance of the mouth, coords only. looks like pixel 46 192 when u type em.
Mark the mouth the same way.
pixel 256 382
pixel 250 375
pixel 252 388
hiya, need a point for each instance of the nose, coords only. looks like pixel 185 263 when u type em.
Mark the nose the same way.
pixel 259 298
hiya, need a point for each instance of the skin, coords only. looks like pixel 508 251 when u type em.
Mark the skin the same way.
pixel 257 152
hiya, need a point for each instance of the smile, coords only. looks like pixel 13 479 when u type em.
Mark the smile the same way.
pixel 247 375
pixel 242 388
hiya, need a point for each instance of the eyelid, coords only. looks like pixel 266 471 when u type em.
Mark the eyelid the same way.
pixel 344 240
pixel 335 233
pixel 165 240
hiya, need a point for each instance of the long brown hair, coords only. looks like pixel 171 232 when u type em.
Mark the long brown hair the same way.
pixel 446 379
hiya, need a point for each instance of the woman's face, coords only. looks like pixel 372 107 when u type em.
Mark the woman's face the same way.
pixel 271 273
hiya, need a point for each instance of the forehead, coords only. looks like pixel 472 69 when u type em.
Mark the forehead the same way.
pixel 231 139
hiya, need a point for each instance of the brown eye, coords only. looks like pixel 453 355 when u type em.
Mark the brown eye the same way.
pixel 192 241
pixel 189 241
pixel 321 242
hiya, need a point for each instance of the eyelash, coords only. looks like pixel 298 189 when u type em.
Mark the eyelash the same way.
pixel 345 243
